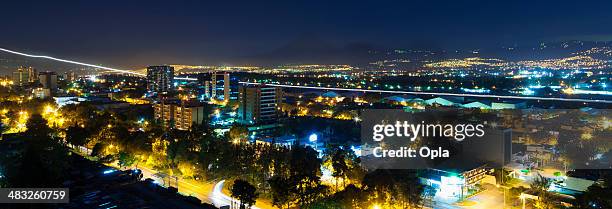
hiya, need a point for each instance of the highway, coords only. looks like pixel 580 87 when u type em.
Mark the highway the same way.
pixel 434 93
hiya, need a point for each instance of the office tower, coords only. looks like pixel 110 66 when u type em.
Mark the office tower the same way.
pixel 32 74
pixel 213 93
pixel 21 76
pixel 48 80
pixel 70 76
pixel 259 104
pixel 226 87
pixel 207 89
pixel 160 79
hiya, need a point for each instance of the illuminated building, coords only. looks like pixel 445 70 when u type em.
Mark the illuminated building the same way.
pixel 160 79
pixel 454 185
pixel 259 103
pixel 41 93
pixel 509 105
pixel 186 115
pixel 214 93
pixel 180 115
pixel 478 105
pixel 32 74
pixel 48 80
pixel 207 89
pixel 21 76
pixel 70 76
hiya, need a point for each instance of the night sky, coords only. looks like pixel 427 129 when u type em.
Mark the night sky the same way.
pixel 133 33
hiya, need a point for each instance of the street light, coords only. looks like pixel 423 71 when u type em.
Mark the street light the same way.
pixel 313 137
pixel 523 197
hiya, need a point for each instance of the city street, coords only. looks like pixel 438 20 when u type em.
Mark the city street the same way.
pixel 207 192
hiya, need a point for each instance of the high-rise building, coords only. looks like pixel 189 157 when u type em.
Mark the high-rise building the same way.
pixel 32 74
pixel 160 79
pixel 70 76
pixel 259 104
pixel 207 89
pixel 215 89
pixel 226 87
pixel 48 80
pixel 21 76
pixel 179 114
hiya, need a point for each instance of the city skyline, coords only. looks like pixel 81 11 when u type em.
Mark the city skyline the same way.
pixel 306 104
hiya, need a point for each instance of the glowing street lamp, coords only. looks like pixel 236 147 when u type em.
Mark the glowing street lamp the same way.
pixel 523 197
pixel 313 138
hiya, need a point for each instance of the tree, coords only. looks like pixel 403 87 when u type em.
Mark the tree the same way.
pixel 37 127
pixel 126 159
pixel 280 191
pixel 42 161
pixel 238 133
pixel 77 135
pixel 388 186
pixel 244 192
pixel 339 166
pixel 411 192
pixel 304 175
pixel 540 185
pixel 351 196
pixel 97 149
pixel 598 196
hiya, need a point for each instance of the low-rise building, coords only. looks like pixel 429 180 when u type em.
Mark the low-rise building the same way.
pixel 178 114
pixel 41 93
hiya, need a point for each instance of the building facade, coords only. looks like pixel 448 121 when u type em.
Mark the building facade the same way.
pixel 21 76
pixel 259 104
pixel 48 80
pixel 219 92
pixel 41 93
pixel 160 79
pixel 179 115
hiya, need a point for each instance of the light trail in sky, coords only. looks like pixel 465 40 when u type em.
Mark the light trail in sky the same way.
pixel 83 64
pixel 435 93
pixel 71 62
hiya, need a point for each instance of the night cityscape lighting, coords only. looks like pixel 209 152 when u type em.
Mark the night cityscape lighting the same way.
pixel 306 105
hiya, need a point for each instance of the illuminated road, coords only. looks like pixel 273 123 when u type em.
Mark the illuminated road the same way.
pixel 219 199
pixel 435 93
pixel 202 190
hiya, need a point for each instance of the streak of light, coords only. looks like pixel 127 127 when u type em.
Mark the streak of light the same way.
pixel 434 93
pixel 219 199
pixel 85 64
